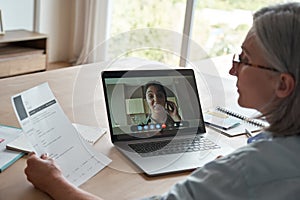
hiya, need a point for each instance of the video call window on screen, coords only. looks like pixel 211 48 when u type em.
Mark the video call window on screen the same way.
pixel 137 105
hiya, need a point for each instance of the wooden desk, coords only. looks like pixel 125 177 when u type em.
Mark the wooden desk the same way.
pixel 77 90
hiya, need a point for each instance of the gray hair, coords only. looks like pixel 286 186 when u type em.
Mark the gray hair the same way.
pixel 278 31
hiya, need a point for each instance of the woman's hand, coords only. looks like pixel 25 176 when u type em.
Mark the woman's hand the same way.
pixel 46 176
pixel 173 111
pixel 42 172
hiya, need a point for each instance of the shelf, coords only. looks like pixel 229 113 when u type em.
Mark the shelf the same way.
pixel 22 52
pixel 11 51
pixel 20 36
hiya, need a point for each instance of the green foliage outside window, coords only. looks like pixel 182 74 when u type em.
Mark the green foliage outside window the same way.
pixel 217 38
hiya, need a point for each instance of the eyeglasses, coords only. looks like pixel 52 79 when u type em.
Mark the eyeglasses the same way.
pixel 236 62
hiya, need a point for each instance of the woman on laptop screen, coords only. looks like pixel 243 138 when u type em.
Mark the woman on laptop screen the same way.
pixel 268 79
pixel 162 110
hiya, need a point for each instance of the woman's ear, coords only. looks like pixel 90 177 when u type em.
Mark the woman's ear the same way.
pixel 285 86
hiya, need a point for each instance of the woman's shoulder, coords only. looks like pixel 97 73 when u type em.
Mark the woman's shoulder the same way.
pixel 266 147
pixel 252 171
pixel 266 160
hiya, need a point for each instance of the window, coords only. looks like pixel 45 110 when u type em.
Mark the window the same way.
pixel 221 26
pixel 218 27
pixel 131 31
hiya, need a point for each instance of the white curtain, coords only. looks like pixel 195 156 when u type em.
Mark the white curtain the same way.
pixel 90 30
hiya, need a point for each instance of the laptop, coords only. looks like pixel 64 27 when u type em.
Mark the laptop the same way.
pixel 178 141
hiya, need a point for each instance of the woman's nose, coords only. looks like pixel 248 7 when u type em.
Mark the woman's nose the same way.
pixel 154 98
pixel 232 71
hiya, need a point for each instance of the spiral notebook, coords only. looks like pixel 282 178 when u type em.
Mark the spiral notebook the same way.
pixel 231 123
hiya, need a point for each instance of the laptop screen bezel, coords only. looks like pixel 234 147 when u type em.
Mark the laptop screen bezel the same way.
pixel 150 73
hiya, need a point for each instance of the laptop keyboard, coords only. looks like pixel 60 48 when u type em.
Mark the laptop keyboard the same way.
pixel 173 146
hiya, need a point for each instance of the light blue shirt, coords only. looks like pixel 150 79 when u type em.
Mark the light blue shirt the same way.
pixel 266 169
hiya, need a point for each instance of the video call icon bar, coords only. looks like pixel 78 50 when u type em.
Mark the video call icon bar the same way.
pixel 158 126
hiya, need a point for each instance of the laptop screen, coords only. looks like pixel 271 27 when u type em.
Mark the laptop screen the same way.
pixel 152 103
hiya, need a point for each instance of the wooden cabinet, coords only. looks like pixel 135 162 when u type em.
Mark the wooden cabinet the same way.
pixel 22 52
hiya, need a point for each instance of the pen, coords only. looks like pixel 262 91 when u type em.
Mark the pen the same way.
pixel 223 127
pixel 248 133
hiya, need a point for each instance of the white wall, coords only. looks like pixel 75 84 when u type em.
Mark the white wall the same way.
pixel 17 14
pixel 56 22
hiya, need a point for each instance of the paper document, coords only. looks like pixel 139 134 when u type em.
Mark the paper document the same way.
pixel 220 120
pixel 49 131
pixel 89 133
pixel 20 144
